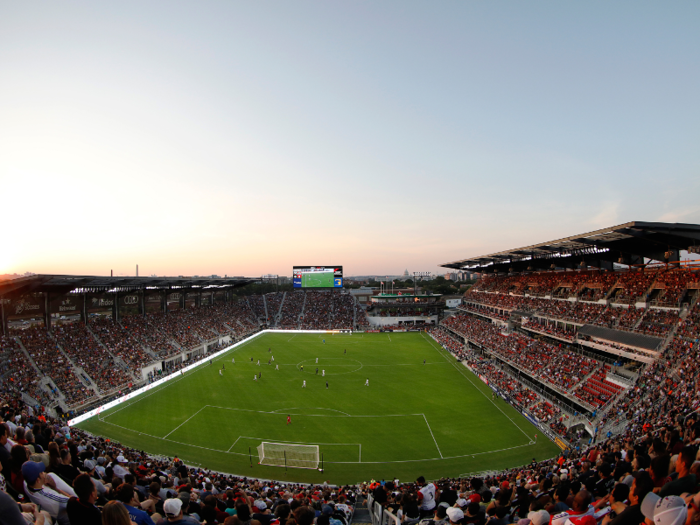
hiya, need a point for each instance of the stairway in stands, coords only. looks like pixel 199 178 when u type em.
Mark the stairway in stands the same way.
pixel 361 514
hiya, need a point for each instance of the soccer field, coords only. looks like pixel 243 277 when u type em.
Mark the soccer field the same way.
pixel 434 419
pixel 317 279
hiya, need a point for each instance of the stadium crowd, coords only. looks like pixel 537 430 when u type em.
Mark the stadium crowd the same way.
pixel 559 367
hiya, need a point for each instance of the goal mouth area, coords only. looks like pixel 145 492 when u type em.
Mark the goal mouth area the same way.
pixel 288 455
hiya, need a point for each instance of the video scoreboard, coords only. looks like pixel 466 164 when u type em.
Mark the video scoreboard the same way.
pixel 317 277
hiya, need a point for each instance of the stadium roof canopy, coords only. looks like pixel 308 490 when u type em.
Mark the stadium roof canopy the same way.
pixel 632 243
pixel 62 284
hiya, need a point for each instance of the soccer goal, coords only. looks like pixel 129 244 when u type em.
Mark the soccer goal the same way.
pixel 288 455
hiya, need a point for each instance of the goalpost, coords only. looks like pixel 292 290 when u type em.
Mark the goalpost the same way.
pixel 288 455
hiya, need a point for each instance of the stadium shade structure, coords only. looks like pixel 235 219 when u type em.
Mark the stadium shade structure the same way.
pixel 43 289
pixel 629 244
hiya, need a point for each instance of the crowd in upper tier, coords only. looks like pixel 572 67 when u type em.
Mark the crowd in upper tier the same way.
pixel 652 302
pixel 85 361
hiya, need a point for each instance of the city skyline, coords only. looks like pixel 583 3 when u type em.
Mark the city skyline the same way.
pixel 244 139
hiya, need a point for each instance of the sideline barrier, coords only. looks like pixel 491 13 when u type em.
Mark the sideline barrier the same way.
pixel 135 393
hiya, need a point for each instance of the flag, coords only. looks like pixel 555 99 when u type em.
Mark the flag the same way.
pixel 382 282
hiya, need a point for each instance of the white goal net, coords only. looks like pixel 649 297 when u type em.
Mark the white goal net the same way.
pixel 288 455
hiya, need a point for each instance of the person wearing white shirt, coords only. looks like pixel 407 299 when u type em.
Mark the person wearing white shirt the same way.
pixel 43 490
pixel 118 469
pixel 426 497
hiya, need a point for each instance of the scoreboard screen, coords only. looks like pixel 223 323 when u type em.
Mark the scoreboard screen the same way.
pixel 318 277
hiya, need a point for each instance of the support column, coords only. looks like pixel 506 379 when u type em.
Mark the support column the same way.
pixel 116 307
pixel 47 311
pixel 4 318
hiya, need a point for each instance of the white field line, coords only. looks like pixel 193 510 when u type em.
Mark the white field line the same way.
pixel 234 444
pixel 185 421
pixel 169 383
pixel 335 462
pixel 431 433
pixel 276 412
pixel 141 398
pixel 290 339
pixel 432 342
pixel 311 408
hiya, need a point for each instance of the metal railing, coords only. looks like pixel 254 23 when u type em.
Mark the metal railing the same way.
pixel 380 515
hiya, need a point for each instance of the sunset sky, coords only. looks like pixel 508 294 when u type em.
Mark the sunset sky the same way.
pixel 242 138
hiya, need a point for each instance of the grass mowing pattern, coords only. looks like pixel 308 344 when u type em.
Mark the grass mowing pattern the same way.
pixel 435 420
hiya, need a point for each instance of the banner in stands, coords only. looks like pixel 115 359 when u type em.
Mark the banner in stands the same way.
pixel 530 418
pixel 153 303
pixel 27 306
pixel 129 300
pixel 67 305
pixel 560 443
pixel 129 304
pixel 99 303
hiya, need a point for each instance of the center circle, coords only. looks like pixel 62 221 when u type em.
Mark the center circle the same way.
pixel 334 366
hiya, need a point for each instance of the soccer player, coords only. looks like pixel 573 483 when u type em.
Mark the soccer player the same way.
pixel 255 377
pixel 221 372
pixel 233 360
pixel 345 351
pixel 269 350
pixel 251 359
pixel 289 419
pixel 304 385
pixel 302 368
pixel 423 361
pixel 277 367
pixel 324 341
pixel 260 375
pixel 210 362
pixel 323 373
pixel 317 360
pixel 367 382
pixel 258 362
pixel 316 370
pixel 326 385
pixel 223 366
pixel 269 361
pixel 273 358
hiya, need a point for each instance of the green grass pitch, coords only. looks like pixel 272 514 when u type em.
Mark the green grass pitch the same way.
pixel 434 420
pixel 317 279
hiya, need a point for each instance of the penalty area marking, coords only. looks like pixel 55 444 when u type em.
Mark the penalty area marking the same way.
pixel 472 455
pixel 309 408
pixel 431 433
